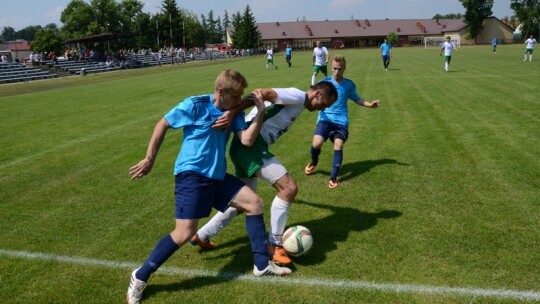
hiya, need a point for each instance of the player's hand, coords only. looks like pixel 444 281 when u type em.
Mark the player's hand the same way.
pixel 375 103
pixel 224 121
pixel 141 169
pixel 258 99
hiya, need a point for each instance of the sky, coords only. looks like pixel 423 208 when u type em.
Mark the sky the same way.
pixel 22 13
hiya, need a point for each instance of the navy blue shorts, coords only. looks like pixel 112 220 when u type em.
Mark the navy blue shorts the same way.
pixel 331 130
pixel 197 194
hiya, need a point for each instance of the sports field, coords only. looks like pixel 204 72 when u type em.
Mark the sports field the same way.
pixel 439 196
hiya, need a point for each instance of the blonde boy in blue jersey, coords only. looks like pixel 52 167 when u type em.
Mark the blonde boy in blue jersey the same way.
pixel 256 162
pixel 201 181
pixel 333 122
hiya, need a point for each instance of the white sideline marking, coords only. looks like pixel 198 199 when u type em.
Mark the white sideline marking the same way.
pixel 384 287
pixel 73 142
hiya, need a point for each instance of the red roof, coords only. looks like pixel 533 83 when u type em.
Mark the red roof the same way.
pixel 17 45
pixel 358 28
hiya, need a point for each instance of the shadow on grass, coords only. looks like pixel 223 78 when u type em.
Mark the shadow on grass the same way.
pixel 334 228
pixel 352 170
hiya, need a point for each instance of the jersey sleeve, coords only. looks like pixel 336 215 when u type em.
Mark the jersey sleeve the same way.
pixel 290 96
pixel 181 115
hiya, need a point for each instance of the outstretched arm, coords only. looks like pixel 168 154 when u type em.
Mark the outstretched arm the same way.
pixel 144 166
pixel 372 104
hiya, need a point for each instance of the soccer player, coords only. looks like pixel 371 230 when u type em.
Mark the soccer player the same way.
pixel 447 47
pixel 256 162
pixel 333 122
pixel 201 181
pixel 494 43
pixel 270 58
pixel 529 46
pixel 320 60
pixel 288 54
pixel 386 53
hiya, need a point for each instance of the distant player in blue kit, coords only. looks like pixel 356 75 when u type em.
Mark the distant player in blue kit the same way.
pixel 494 43
pixel 386 53
pixel 333 122
pixel 288 54
pixel 201 181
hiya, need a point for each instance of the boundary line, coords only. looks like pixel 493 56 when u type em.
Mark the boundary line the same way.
pixel 342 284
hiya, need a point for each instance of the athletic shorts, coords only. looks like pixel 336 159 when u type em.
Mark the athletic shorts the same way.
pixel 270 60
pixel 320 68
pixel 270 171
pixel 197 194
pixel 530 51
pixel 330 130
pixel 287 58
pixel 447 58
pixel 386 57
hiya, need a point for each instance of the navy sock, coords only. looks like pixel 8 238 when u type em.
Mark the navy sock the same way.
pixel 315 156
pixel 257 236
pixel 336 164
pixel 161 253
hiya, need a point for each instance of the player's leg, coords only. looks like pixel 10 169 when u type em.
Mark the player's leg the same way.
pixel 275 174
pixel 338 137
pixel 219 221
pixel 251 203
pixel 314 75
pixel 321 135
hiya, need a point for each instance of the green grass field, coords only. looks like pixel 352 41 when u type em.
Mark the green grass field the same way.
pixel 439 200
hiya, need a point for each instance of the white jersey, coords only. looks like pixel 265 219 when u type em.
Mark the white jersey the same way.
pixel 448 47
pixel 320 55
pixel 281 114
pixel 269 53
pixel 530 43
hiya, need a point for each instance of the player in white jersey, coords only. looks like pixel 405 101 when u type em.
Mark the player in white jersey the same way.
pixel 270 58
pixel 320 61
pixel 448 46
pixel 256 162
pixel 529 46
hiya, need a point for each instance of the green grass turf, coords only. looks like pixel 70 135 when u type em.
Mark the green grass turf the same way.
pixel 440 186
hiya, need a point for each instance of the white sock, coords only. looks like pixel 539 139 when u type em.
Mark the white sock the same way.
pixel 313 80
pixel 217 223
pixel 530 57
pixel 278 219
pixel 524 57
pixel 446 66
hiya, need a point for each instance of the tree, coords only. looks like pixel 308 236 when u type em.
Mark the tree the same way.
pixel 8 33
pixel 476 11
pixel 47 40
pixel 528 13
pixel 392 38
pixel 246 34
pixel 448 16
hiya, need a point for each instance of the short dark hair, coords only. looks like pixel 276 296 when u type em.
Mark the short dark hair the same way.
pixel 328 89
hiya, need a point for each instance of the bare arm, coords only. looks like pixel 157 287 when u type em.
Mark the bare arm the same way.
pixel 224 121
pixel 247 137
pixel 372 104
pixel 144 166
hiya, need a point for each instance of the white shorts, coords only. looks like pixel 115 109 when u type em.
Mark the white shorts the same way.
pixel 270 172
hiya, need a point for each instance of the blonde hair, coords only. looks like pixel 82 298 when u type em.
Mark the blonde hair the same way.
pixel 231 80
pixel 340 59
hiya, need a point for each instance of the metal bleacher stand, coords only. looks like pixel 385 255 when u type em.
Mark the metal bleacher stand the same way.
pixel 18 72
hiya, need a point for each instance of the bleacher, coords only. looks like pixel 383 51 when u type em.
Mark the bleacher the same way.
pixel 18 72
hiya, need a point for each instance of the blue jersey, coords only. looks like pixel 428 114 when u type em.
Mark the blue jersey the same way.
pixel 203 148
pixel 338 112
pixel 385 49
pixel 288 51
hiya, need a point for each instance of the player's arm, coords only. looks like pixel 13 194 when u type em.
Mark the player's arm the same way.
pixel 327 56
pixel 144 166
pixel 247 137
pixel 368 104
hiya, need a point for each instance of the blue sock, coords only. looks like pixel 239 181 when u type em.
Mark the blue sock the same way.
pixel 161 253
pixel 257 236
pixel 336 164
pixel 315 156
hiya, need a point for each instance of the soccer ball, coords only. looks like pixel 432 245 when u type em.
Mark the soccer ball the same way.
pixel 297 240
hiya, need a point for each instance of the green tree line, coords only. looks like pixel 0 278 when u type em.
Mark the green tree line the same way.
pixel 171 26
